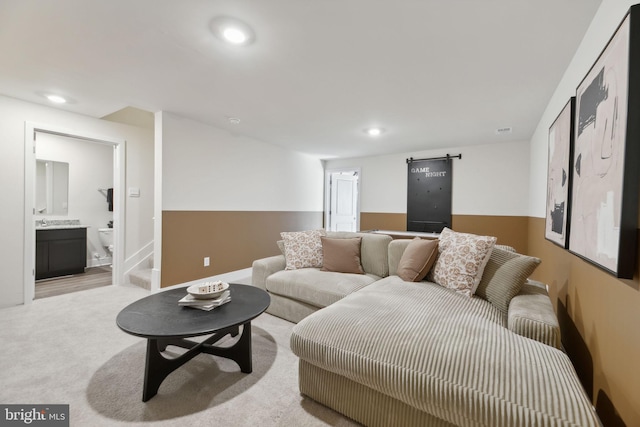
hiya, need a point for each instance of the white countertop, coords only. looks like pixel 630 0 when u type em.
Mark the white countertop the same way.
pixel 61 226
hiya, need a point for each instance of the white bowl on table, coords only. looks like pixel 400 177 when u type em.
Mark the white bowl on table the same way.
pixel 207 290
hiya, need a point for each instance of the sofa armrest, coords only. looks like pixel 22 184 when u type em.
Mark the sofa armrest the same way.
pixel 531 315
pixel 265 267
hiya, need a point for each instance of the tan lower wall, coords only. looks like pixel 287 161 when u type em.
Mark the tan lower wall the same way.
pixel 383 221
pixel 510 230
pixel 232 240
pixel 600 320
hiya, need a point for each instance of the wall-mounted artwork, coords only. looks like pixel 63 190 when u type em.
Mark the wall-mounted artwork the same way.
pixel 604 208
pixel 559 176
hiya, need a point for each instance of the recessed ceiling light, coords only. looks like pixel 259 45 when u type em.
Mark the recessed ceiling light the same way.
pixel 234 35
pixel 374 131
pixel 52 96
pixel 232 30
pixel 56 99
pixel 234 120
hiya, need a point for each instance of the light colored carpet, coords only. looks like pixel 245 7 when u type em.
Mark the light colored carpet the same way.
pixel 67 349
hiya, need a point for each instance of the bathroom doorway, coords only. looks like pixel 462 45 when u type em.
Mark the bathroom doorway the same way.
pixel 103 267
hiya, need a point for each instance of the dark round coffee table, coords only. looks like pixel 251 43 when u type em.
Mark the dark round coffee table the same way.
pixel 160 320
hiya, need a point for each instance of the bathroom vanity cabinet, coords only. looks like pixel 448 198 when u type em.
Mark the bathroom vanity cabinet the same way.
pixel 60 252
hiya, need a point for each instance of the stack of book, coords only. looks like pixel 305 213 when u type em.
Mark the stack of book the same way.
pixel 205 304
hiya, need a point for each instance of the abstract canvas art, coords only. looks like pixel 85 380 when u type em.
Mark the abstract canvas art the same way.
pixel 604 194
pixel 559 176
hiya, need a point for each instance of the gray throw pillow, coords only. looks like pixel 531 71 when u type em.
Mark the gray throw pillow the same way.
pixel 503 277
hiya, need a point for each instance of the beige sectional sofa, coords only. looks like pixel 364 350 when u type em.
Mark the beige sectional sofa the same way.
pixel 295 294
pixel 387 352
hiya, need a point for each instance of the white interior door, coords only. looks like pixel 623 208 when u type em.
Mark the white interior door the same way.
pixel 343 214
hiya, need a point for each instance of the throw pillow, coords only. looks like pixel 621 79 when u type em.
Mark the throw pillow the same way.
pixel 461 260
pixel 417 259
pixel 341 255
pixel 302 249
pixel 503 277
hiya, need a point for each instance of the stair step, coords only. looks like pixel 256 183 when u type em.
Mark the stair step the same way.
pixel 141 278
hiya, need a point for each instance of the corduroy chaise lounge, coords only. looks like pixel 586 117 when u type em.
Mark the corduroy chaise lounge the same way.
pixel 398 353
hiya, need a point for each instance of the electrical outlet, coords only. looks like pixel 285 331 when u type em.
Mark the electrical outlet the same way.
pixel 207 261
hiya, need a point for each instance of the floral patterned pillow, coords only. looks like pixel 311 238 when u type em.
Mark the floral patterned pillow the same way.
pixel 461 260
pixel 303 249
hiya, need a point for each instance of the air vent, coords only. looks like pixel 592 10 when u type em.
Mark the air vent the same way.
pixel 503 131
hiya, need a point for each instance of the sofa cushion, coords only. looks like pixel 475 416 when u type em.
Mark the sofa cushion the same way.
pixel 341 255
pixel 503 277
pixel 315 287
pixel 417 259
pixel 373 251
pixel 302 249
pixel 461 260
pixel 396 250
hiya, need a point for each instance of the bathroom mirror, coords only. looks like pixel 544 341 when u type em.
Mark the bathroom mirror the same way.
pixel 52 187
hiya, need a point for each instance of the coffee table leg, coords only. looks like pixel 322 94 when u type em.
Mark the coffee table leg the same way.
pixel 153 372
pixel 157 368
pixel 243 355
pixel 240 352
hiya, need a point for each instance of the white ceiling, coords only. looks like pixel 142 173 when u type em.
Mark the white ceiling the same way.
pixel 433 73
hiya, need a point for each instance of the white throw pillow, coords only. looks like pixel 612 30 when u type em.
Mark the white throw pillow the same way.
pixel 461 260
pixel 302 249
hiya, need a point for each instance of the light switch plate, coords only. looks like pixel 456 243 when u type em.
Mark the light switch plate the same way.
pixel 134 192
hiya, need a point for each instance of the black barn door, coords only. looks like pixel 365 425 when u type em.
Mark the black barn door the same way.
pixel 429 195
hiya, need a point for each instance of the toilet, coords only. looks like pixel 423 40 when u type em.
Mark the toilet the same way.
pixel 106 238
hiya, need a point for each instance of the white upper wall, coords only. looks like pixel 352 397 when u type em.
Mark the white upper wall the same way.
pixel 207 168
pixel 139 173
pixel 604 24
pixel 488 180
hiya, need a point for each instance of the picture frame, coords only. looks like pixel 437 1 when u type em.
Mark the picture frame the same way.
pixel 606 155
pixel 559 174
